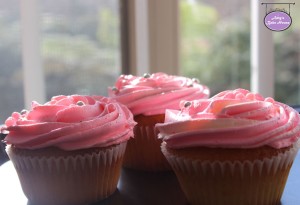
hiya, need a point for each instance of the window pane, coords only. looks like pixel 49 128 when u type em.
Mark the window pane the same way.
pixel 215 43
pixel 11 83
pixel 287 58
pixel 80 45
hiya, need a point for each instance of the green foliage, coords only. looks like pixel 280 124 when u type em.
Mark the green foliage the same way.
pixel 82 61
pixel 287 67
pixel 79 47
pixel 11 90
pixel 73 47
pixel 230 54
pixel 78 58
pixel 214 50
pixel 107 27
pixel 217 51
pixel 197 18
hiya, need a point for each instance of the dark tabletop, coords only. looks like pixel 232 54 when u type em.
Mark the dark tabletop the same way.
pixel 136 187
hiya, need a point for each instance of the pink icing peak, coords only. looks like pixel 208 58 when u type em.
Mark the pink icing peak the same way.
pixel 70 123
pixel 231 119
pixel 153 94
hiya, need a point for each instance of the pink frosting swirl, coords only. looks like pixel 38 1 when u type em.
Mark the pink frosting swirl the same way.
pixel 153 94
pixel 231 119
pixel 70 123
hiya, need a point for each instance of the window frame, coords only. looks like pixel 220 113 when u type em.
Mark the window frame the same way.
pixel 33 75
pixel 149 43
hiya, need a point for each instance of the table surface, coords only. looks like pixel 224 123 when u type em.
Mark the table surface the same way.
pixel 136 187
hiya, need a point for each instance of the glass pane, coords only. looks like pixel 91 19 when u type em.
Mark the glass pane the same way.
pixel 215 43
pixel 287 58
pixel 11 83
pixel 80 45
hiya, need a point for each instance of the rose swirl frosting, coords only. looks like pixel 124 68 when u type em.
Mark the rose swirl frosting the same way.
pixel 231 119
pixel 70 123
pixel 152 94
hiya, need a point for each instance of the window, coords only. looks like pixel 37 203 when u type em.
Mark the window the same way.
pixel 78 43
pixel 11 83
pixel 215 46
pixel 80 46
pixel 215 43
pixel 287 58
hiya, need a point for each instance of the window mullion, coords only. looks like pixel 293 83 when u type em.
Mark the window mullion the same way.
pixel 164 35
pixel 262 52
pixel 153 36
pixel 34 85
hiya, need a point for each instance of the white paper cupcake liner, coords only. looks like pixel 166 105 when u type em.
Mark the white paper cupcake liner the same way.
pixel 258 182
pixel 146 133
pixel 75 179
pixel 143 152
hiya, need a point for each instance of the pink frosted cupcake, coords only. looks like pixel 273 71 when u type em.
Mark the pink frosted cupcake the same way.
pixel 148 97
pixel 69 150
pixel 235 148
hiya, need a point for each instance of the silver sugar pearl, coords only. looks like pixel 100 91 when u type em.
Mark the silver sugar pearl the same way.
pixel 195 80
pixel 190 84
pixel 80 103
pixel 23 112
pixel 187 104
pixel 146 75
pixel 115 89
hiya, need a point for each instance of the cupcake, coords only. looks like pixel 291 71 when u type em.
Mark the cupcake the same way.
pixel 148 97
pixel 235 148
pixel 70 149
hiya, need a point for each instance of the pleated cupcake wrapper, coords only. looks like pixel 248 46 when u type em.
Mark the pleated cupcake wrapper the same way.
pixel 50 164
pixel 233 182
pixel 271 165
pixel 76 180
pixel 143 152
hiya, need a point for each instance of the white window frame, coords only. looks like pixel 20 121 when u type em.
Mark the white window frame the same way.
pixel 33 75
pixel 153 36
pixel 262 52
pixel 153 44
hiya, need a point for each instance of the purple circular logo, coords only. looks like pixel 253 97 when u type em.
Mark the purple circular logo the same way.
pixel 278 21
